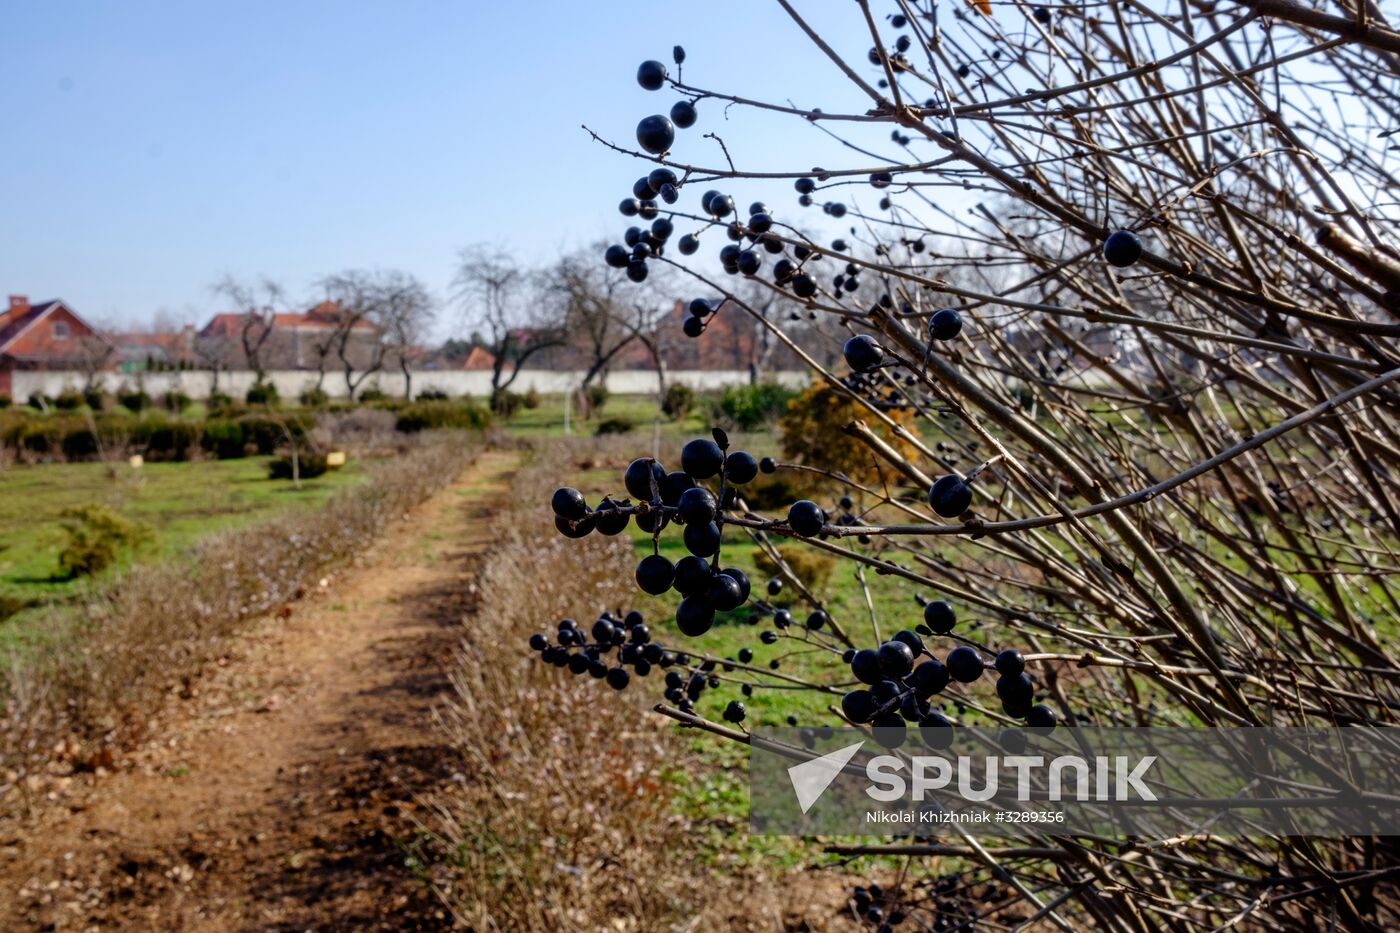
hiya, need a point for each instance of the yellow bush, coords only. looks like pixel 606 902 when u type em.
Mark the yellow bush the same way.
pixel 813 429
pixel 811 566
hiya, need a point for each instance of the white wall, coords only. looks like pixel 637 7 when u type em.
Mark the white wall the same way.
pixel 290 383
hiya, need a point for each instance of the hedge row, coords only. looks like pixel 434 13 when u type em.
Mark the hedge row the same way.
pixel 74 438
pixel 78 439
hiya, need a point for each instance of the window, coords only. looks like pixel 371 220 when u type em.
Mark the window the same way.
pixel 60 330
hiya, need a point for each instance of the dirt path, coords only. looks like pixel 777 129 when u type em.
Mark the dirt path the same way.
pixel 283 796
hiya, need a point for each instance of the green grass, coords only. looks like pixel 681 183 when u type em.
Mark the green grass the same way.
pixel 180 502
pixel 547 420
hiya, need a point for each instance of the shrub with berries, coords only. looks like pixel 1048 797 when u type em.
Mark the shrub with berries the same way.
pixel 1134 275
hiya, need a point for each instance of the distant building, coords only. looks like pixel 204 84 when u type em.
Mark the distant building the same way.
pixel 479 358
pixel 48 335
pixel 309 340
pixel 140 351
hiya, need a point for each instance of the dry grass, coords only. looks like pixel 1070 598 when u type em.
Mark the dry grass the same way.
pixel 564 818
pixel 88 691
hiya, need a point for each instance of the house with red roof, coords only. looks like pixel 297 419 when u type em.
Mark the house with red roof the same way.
pixel 47 336
pixel 297 340
pixel 479 358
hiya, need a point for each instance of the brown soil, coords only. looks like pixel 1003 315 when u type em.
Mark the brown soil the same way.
pixel 282 793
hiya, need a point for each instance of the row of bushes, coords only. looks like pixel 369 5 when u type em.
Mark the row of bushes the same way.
pixel 261 394
pixel 78 439
pixel 744 407
pixel 75 438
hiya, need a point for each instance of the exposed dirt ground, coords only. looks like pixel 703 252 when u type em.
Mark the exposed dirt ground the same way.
pixel 282 794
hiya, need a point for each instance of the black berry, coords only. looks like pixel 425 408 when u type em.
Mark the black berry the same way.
pixel 655 574
pixel 862 353
pixel 1122 248
pixel 702 458
pixel 806 518
pixel 950 496
pixel 651 75
pixel 964 664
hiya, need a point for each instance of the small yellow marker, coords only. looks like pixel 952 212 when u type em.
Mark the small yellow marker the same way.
pixel 336 458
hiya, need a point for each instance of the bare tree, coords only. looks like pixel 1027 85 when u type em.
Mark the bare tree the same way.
pixel 256 304
pixel 497 299
pixel 213 350
pixel 92 355
pixel 408 311
pixel 382 316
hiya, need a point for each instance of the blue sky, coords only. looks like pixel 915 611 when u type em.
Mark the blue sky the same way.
pixel 150 148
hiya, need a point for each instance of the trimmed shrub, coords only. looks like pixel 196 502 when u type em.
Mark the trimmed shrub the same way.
pixel 5 400
pixel 175 401
pixel 38 402
pixel 220 404
pixel 678 401
pixel 532 398
pixel 432 395
pixel 96 535
pixel 41 437
pixel 597 397
pixel 133 400
pixel 309 464
pixel 752 406
pixel 422 416
pixel 373 393
pixel 505 403
pixel 68 400
pixel 170 440
pixel 621 425
pixel 266 434
pixel 261 393
pixel 79 444
pixel 314 397
pixel 224 439
pixel 97 399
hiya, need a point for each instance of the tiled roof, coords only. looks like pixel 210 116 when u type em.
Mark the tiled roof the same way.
pixel 12 325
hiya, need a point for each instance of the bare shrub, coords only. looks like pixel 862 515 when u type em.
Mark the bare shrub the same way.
pixel 1134 265
pixel 363 428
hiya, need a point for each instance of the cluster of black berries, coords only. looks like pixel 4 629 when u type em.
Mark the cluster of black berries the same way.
pixel 931 902
pixel 872 905
pixel 629 635
pixel 612 645
pixel 663 497
pixel 805 186
pixel 899 687
pixel 656 133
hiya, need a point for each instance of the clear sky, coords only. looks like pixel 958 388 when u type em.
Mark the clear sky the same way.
pixel 150 148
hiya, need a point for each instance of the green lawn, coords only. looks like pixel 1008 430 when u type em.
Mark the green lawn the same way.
pixel 179 502
pixel 548 418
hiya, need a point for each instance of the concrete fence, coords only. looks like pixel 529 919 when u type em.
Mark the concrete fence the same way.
pixel 291 383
